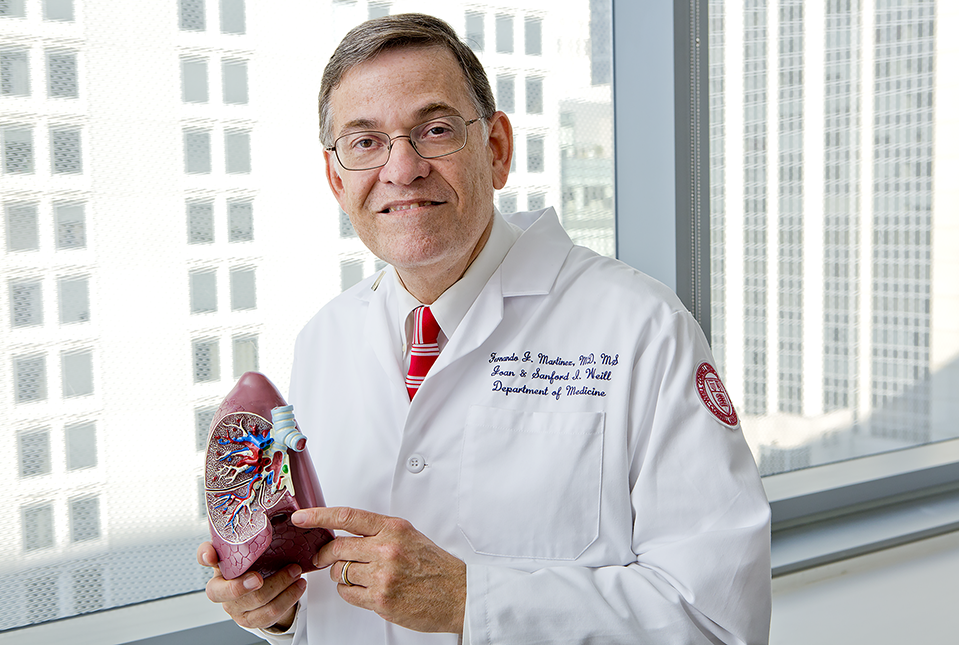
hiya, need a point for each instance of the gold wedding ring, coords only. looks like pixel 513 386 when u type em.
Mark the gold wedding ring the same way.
pixel 343 577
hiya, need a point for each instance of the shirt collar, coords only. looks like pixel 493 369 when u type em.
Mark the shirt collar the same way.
pixel 451 307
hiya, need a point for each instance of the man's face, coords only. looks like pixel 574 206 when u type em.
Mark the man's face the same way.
pixel 427 217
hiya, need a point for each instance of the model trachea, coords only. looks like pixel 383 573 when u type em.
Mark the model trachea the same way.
pixel 258 472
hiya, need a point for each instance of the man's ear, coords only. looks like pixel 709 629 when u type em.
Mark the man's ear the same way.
pixel 333 176
pixel 501 147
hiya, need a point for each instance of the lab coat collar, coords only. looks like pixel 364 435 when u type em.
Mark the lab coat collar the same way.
pixel 531 266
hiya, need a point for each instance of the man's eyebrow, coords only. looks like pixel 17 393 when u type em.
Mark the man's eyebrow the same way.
pixel 359 124
pixel 425 112
pixel 432 109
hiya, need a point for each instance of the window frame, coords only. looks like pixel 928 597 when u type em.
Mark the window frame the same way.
pixel 820 514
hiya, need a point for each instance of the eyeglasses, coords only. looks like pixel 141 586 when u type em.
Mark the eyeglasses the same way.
pixel 437 137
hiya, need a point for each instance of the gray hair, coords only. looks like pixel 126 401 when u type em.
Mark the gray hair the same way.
pixel 366 41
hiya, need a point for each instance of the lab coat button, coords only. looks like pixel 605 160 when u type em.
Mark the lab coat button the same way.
pixel 415 463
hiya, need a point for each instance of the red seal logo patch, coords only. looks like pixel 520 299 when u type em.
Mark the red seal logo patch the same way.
pixel 713 394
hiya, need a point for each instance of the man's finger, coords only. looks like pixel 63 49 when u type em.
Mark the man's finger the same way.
pixel 341 518
pixel 222 590
pixel 271 612
pixel 206 554
pixel 354 573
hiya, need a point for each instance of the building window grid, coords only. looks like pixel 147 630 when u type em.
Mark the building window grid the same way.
pixel 22 224
pixel 71 225
pixel 200 229
pixel 60 10
pixel 18 150
pixel 754 207
pixel 65 151
pixel 34 452
pixel 476 31
pixel 504 33
pixel 841 194
pixel 790 103
pixel 240 220
pixel 717 181
pixel 902 220
pixel 14 72
pixel 192 14
pixel 12 9
pixel 62 74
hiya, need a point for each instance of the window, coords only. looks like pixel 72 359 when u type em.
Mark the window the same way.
pixel 202 291
pixel 22 231
pixel 90 214
pixel 506 93
pixel 206 360
pixel 65 151
pixel 346 226
pixel 30 378
pixel 504 34
pixel 601 41
pixel 197 152
pixel 351 272
pixel 235 85
pixel 34 448
pixel 37 527
pixel 378 9
pixel 201 497
pixel 535 153
pixel 81 446
pixel 233 16
pixel 507 203
pixel 534 36
pixel 242 288
pixel 240 216
pixel 26 303
pixel 246 355
pixel 237 151
pixel 534 95
pixel 88 594
pixel 192 15
pixel 58 10
pixel 476 31
pixel 77 369
pixel 14 72
pixel 199 216
pixel 195 80
pixel 84 519
pixel 203 418
pixel 62 76
pixel 71 226
pixel 535 201
pixel 42 592
pixel 12 8
pixel 17 150
pixel 74 299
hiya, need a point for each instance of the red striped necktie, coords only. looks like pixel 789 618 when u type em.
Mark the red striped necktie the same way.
pixel 424 349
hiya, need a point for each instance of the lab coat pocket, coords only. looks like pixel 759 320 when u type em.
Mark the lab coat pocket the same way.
pixel 530 482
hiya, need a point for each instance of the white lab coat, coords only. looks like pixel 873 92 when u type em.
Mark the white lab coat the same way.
pixel 613 507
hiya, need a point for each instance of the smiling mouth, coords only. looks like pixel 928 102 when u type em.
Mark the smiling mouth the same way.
pixel 406 207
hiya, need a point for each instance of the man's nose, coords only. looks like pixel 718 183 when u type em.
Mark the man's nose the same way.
pixel 404 165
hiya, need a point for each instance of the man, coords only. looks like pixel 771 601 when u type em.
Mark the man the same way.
pixel 570 454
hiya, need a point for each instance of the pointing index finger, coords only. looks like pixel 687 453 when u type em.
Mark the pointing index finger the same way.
pixel 340 518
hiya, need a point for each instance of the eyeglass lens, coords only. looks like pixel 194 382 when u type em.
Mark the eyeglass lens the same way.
pixel 435 138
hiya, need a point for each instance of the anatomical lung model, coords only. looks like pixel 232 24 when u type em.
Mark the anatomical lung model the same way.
pixel 258 472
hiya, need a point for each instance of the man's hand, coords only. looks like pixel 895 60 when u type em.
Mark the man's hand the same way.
pixel 250 600
pixel 396 570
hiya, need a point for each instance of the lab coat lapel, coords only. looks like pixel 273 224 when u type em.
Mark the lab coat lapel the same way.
pixel 530 268
pixel 381 333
